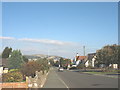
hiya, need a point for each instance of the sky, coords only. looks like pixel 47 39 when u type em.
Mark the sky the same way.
pixel 59 28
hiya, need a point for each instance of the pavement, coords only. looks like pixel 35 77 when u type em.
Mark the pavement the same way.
pixel 69 79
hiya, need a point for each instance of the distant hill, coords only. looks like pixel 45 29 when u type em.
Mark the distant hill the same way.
pixel 31 56
pixel 41 56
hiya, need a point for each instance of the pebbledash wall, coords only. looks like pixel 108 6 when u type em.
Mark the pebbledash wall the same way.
pixel 14 85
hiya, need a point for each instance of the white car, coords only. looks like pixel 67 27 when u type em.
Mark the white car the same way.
pixel 60 69
pixel 74 65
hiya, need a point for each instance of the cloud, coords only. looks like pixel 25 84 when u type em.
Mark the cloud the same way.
pixel 42 46
pixel 7 38
pixel 46 41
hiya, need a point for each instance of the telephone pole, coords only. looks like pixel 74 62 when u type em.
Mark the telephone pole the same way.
pixel 84 50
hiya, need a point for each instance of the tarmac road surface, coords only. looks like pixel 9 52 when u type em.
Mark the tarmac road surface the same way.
pixel 69 79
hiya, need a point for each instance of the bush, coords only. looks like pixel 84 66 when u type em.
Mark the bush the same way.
pixel 81 66
pixel 12 77
pixel 29 69
pixel 90 67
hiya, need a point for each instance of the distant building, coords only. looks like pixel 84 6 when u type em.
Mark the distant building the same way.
pixel 34 59
pixel 55 60
pixel 29 59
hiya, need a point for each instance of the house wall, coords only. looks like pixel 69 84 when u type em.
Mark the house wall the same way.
pixel 5 71
pixel 87 64
pixel 93 60
pixel 1 70
pixel 115 66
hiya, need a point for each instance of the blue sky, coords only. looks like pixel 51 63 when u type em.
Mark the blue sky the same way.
pixel 60 28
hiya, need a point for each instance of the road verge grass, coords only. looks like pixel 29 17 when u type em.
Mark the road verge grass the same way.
pixel 113 72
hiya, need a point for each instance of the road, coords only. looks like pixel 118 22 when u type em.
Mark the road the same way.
pixel 70 79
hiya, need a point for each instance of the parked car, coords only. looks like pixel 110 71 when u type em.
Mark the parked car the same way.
pixel 60 69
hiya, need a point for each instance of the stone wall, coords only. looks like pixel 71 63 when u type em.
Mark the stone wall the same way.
pixel 38 81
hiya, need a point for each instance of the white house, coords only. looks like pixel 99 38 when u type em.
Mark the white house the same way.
pixel 5 70
pixel 87 63
pixel 114 66
pixel 90 60
pixel 1 69
pixel 93 61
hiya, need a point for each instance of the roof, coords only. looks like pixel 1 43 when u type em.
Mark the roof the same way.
pixel 91 55
pixel 80 57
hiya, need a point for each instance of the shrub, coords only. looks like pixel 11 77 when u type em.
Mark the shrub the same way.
pixel 29 69
pixel 81 66
pixel 12 77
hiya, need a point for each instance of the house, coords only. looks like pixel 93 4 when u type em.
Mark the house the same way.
pixel 78 59
pixel 1 69
pixel 81 58
pixel 5 70
pixel 3 66
pixel 87 63
pixel 114 66
pixel 90 60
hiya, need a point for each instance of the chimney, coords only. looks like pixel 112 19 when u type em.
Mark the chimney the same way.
pixel 77 54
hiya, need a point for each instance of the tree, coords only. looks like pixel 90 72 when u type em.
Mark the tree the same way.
pixel 81 66
pixel 16 60
pixel 25 59
pixel 56 63
pixel 108 55
pixel 43 63
pixel 51 62
pixel 6 52
pixel 64 62
pixel 29 69
pixel 61 62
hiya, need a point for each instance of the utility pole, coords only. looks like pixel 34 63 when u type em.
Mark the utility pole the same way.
pixel 84 50
pixel 48 53
pixel 48 57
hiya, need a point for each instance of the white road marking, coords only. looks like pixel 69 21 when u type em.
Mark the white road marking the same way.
pixel 62 81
